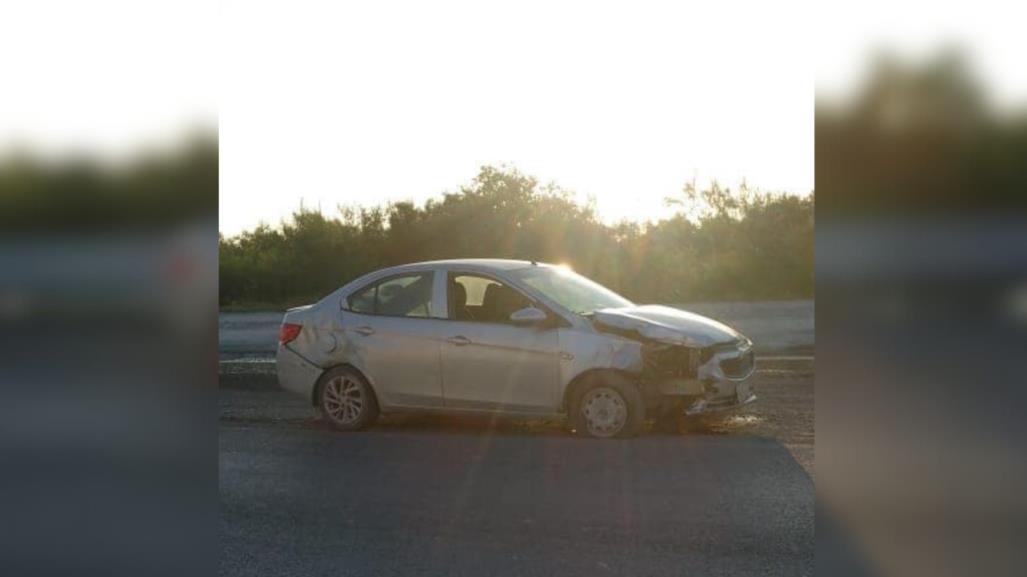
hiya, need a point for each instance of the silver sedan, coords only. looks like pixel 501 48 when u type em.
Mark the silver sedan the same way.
pixel 507 336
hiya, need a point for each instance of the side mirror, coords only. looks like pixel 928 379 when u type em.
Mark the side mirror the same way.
pixel 528 316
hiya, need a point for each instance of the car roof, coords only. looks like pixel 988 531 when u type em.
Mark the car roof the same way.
pixel 500 264
pixel 484 265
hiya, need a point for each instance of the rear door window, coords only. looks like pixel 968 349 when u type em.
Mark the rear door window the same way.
pixel 407 295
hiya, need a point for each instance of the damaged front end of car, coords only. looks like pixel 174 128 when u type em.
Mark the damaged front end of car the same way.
pixel 690 365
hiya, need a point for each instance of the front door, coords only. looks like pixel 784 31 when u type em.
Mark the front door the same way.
pixel 488 362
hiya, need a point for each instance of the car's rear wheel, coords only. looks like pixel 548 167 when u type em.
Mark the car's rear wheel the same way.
pixel 608 406
pixel 346 400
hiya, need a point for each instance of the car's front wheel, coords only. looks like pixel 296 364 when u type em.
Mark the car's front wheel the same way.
pixel 608 406
pixel 346 400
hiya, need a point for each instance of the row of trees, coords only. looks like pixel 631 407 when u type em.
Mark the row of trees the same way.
pixel 739 244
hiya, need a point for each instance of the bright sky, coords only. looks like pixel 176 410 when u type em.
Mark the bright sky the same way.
pixel 360 103
pixel 375 101
pixel 105 77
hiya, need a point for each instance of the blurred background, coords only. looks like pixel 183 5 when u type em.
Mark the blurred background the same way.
pixel 110 258
pixel 108 282
pixel 921 263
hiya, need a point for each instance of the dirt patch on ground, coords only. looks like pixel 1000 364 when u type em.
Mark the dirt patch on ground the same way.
pixel 784 412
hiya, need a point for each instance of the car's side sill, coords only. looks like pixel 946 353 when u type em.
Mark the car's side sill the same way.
pixel 470 411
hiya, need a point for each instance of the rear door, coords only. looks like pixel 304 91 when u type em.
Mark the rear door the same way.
pixel 392 331
pixel 489 363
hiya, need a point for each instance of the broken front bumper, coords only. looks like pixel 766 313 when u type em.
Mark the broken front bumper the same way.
pixel 704 405
pixel 726 390
pixel 721 383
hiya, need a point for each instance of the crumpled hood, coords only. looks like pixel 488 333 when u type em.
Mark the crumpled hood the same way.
pixel 666 324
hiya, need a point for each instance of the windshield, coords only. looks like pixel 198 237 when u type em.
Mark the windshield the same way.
pixel 571 290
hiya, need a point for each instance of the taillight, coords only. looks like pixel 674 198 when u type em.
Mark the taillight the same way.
pixel 288 332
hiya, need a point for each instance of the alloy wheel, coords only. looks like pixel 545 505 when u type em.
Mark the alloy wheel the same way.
pixel 343 400
pixel 605 412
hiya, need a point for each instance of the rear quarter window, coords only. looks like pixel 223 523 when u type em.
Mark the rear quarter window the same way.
pixel 363 301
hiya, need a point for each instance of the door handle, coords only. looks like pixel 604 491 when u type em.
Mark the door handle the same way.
pixel 459 340
pixel 364 331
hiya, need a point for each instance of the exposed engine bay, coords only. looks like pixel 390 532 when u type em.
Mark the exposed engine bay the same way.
pixel 698 369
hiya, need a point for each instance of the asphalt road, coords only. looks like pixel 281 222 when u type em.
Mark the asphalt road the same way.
pixel 479 501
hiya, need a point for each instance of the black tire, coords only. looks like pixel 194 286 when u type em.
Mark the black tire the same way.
pixel 607 388
pixel 346 400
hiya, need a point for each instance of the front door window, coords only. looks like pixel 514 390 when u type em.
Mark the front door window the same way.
pixel 482 299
